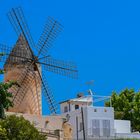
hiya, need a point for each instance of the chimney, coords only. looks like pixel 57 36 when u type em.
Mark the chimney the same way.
pixel 79 95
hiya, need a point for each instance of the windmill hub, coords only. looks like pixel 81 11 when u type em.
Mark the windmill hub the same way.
pixel 35 59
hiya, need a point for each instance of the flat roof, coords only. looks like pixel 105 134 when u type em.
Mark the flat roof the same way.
pixel 64 101
pixel 81 99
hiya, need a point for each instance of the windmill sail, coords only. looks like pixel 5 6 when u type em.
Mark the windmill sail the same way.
pixel 20 53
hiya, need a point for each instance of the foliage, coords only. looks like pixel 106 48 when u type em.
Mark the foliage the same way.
pixel 5 96
pixel 17 128
pixel 127 106
pixel 3 134
pixel 126 139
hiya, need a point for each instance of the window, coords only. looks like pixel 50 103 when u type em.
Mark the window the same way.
pixel 95 127
pixel 95 110
pixel 65 109
pixel 76 107
pixel 106 128
pixel 46 124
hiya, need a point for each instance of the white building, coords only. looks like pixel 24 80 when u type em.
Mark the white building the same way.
pixel 93 122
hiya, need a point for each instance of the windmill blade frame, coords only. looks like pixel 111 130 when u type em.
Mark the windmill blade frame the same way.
pixel 8 56
pixel 21 92
pixel 21 78
pixel 51 30
pixel 17 19
pixel 61 67
pixel 48 95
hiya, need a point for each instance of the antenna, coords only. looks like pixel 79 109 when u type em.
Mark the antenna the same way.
pixel 102 98
pixel 90 92
pixel 90 85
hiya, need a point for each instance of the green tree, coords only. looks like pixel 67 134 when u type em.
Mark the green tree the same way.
pixel 17 128
pixel 5 96
pixel 3 134
pixel 127 106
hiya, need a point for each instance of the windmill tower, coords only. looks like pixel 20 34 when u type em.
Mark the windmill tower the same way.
pixel 16 70
pixel 26 66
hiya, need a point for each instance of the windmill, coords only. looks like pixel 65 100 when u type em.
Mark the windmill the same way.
pixel 25 65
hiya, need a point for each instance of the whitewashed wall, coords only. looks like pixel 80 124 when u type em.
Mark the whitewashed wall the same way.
pixel 122 126
pixel 92 114
pixel 97 116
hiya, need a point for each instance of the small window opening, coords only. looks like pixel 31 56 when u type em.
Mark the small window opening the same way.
pixel 95 110
pixel 76 107
pixel 65 109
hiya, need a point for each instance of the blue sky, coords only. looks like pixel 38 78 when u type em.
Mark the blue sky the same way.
pixel 101 36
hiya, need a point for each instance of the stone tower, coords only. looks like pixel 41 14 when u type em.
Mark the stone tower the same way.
pixel 26 97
